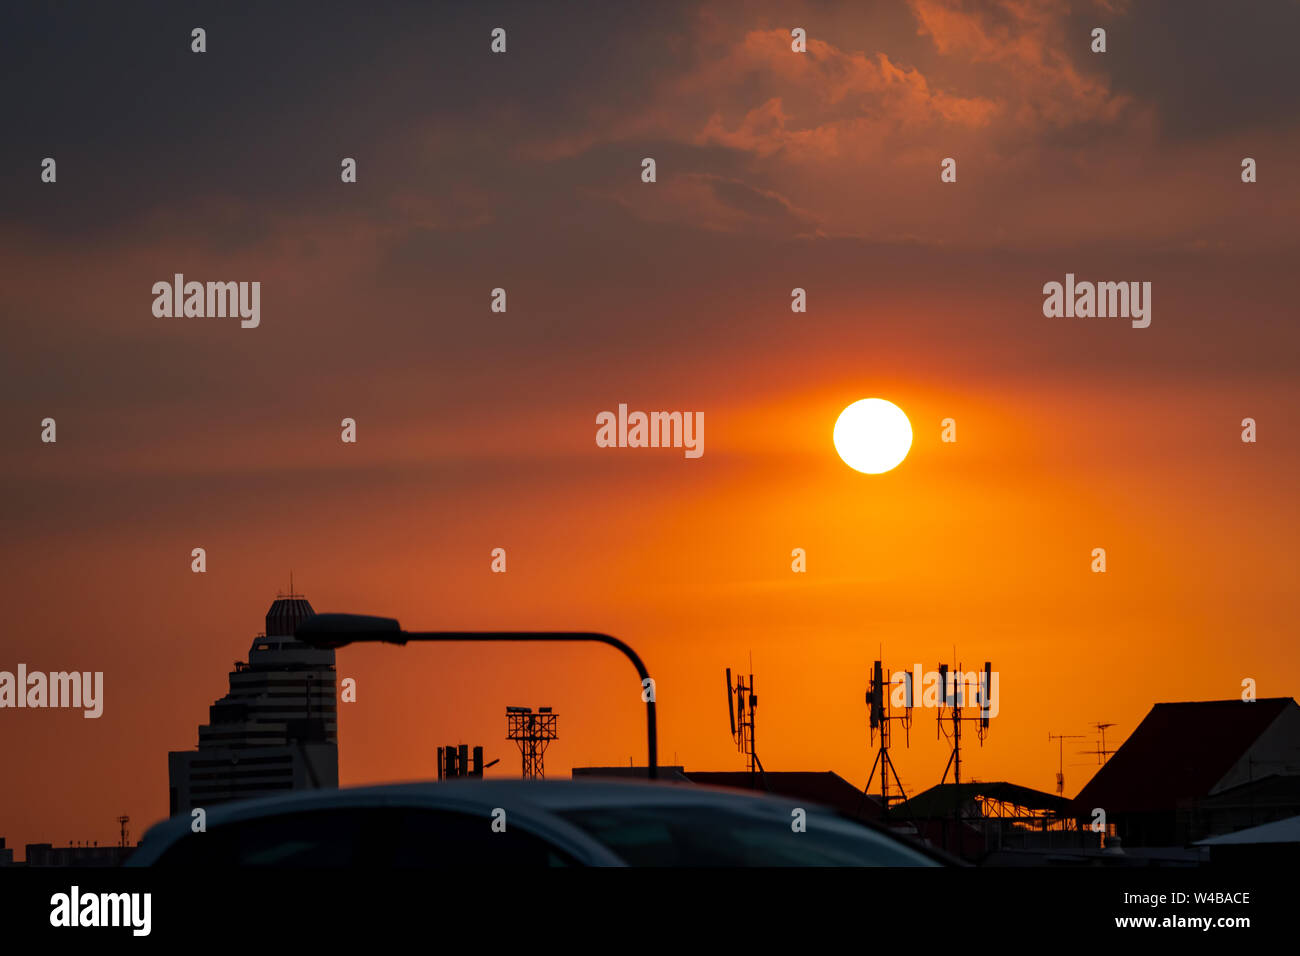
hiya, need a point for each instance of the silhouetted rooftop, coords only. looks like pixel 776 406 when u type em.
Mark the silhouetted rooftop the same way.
pixel 940 799
pixel 1178 752
pixel 824 787
pixel 821 787
pixel 286 613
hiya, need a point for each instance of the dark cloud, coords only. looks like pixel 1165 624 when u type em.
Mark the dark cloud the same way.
pixel 137 121
pixel 1209 68
pixel 762 208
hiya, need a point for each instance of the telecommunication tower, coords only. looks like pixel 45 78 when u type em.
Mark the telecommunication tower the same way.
pixel 879 719
pixel 952 697
pixel 742 703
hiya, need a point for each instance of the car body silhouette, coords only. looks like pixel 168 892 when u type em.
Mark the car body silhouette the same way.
pixel 517 823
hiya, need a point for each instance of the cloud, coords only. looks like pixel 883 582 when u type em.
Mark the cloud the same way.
pixel 719 204
pixel 1028 43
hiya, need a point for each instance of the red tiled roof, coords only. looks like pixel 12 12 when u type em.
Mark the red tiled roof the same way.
pixel 1179 751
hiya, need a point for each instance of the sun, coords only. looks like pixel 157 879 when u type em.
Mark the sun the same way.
pixel 872 436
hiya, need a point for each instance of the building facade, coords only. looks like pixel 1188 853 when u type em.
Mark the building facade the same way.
pixel 275 730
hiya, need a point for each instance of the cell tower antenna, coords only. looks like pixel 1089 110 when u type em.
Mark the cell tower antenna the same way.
pixel 879 718
pixel 122 821
pixel 742 704
pixel 952 697
pixel 454 761
pixel 1060 765
pixel 731 704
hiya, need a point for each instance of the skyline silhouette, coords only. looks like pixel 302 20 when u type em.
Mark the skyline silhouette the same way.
pixel 475 429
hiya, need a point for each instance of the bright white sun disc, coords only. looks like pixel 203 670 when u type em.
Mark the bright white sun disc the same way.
pixel 872 436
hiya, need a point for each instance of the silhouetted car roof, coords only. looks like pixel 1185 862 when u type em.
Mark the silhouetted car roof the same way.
pixel 545 808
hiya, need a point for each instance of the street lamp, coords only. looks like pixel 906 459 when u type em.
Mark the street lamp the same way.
pixel 331 631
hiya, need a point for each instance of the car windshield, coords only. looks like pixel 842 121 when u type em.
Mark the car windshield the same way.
pixel 694 835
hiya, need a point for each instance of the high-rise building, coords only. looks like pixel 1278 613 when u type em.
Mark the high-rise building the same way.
pixel 276 729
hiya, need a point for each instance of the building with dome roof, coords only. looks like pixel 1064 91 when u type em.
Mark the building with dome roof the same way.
pixel 275 730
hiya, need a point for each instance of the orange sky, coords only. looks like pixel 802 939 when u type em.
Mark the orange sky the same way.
pixel 477 429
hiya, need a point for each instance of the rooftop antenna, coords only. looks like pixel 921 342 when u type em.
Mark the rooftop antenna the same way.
pixel 879 718
pixel 533 733
pixel 1101 751
pixel 1060 765
pixel 742 703
pixel 953 697
pixel 454 762
pixel 122 821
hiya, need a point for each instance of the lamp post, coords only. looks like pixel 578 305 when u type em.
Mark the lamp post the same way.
pixel 331 631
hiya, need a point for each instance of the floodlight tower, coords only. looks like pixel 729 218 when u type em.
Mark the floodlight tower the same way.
pixel 1060 766
pixel 533 732
pixel 878 704
pixel 742 703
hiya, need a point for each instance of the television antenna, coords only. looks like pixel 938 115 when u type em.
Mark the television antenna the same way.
pixel 1101 752
pixel 1060 765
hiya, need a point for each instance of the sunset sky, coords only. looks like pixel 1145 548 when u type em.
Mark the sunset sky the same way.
pixel 476 429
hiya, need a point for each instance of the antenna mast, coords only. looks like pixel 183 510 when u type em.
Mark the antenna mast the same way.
pixel 742 703
pixel 1101 751
pixel 879 718
pixel 1060 766
pixel 952 693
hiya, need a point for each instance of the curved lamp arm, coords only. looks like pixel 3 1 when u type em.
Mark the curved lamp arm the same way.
pixel 337 630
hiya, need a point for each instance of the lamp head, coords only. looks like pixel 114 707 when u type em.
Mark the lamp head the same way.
pixel 328 631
